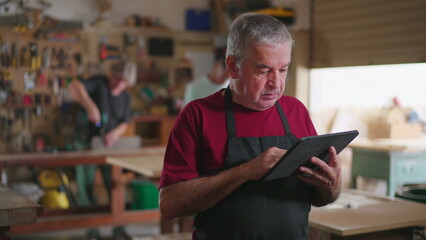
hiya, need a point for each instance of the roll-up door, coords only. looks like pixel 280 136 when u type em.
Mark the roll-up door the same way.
pixel 367 32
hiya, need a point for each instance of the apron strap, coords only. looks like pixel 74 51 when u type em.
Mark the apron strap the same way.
pixel 283 118
pixel 230 121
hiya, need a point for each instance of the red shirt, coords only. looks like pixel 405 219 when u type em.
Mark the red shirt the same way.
pixel 198 141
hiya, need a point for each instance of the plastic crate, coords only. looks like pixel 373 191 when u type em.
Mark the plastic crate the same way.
pixel 199 20
pixel 145 195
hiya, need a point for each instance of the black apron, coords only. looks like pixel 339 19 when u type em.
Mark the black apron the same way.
pixel 276 209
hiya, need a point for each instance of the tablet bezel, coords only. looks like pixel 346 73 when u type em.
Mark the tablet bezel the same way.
pixel 307 147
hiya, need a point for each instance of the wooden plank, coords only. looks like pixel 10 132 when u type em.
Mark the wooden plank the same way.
pixel 388 144
pixel 379 215
pixel 15 208
pixel 149 166
pixel 173 236
pixel 84 221
pixel 71 158
pixel 395 234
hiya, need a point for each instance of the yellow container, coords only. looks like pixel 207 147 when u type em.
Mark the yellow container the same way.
pixel 54 191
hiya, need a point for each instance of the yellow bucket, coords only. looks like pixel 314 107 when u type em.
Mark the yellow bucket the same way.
pixel 54 191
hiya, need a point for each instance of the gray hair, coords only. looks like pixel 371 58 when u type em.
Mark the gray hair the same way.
pixel 251 29
pixel 126 69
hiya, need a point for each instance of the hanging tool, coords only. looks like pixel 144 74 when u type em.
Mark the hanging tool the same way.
pixel 15 56
pixel 5 57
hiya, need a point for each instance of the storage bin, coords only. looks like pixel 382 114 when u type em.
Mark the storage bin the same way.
pixel 145 195
pixel 199 20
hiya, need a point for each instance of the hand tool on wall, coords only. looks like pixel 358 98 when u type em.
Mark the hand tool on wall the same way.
pixel 25 57
pixel 35 58
pixel 15 56
pixel 6 123
pixel 5 56
pixel 45 57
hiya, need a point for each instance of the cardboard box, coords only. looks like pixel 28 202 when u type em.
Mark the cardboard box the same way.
pixel 381 129
pixel 393 124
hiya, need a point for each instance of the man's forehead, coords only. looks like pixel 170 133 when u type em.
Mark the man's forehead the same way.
pixel 283 48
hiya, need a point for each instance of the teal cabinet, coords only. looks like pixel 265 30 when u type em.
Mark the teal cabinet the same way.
pixel 397 168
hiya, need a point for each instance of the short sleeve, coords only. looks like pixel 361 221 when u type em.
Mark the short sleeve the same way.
pixel 180 161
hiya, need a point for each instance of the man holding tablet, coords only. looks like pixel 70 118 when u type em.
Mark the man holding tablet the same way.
pixel 222 146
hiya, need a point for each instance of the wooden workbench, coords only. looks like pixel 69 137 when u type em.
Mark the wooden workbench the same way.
pixel 151 168
pixel 361 215
pixel 172 236
pixel 380 218
pixel 82 218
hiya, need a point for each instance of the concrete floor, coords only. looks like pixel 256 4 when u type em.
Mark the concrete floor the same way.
pixel 137 231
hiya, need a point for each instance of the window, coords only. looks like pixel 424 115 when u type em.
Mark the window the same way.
pixel 367 86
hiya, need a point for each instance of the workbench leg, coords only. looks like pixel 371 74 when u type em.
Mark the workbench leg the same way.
pixel 3 176
pixel 117 191
pixel 166 226
pixel 185 224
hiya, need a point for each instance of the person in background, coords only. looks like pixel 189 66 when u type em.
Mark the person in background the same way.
pixel 107 103
pixel 221 146
pixel 215 80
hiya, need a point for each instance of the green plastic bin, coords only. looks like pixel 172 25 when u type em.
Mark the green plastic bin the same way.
pixel 145 195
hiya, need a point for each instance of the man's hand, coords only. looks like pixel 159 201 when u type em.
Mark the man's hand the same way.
pixel 327 178
pixel 192 196
pixel 257 167
pixel 93 114
pixel 110 138
pixel 113 135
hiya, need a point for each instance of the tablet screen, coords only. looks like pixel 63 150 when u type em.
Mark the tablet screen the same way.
pixel 307 147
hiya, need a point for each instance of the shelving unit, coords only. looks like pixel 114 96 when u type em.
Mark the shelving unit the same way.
pixel 33 85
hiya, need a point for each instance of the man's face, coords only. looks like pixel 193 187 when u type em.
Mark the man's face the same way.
pixel 260 80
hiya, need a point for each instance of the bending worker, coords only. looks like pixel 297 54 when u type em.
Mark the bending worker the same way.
pixel 222 145
pixel 107 103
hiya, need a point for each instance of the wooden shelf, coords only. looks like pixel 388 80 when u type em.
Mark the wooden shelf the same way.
pixel 159 127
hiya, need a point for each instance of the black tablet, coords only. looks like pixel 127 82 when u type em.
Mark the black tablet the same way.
pixel 307 147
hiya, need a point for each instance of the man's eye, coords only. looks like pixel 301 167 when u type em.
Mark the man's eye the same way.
pixel 283 70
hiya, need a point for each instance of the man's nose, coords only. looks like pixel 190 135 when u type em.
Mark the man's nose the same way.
pixel 274 79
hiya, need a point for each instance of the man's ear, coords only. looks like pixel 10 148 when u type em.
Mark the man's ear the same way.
pixel 231 67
